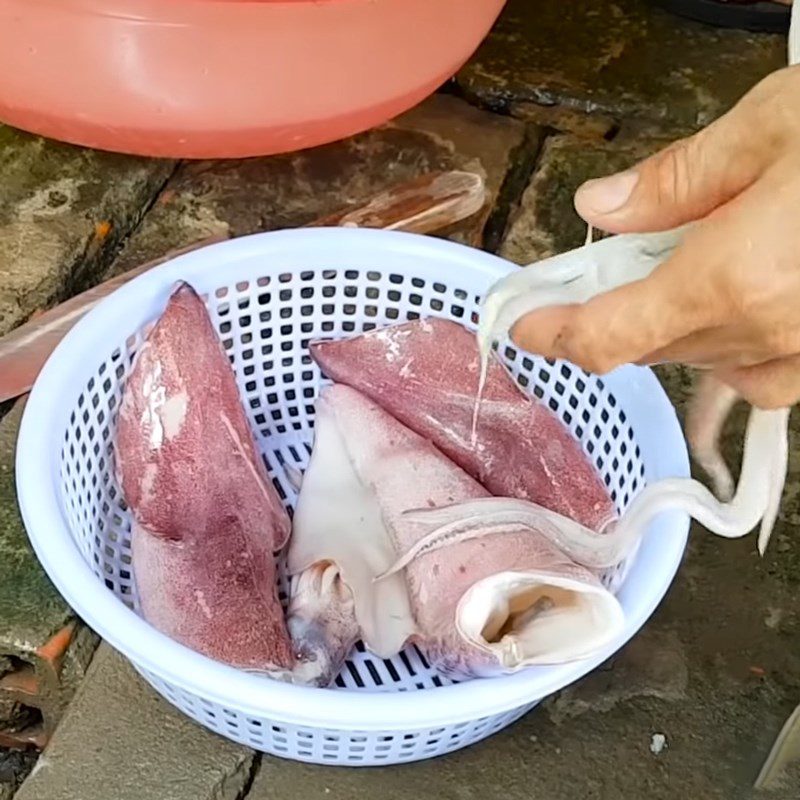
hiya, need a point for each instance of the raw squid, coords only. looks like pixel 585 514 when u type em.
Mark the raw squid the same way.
pixel 207 518
pixel 575 277
pixel 339 544
pixel 497 603
pixel 425 374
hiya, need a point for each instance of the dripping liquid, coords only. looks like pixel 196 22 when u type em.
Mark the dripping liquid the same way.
pixel 476 410
pixel 484 347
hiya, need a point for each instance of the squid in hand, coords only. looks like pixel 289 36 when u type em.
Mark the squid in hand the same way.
pixel 575 277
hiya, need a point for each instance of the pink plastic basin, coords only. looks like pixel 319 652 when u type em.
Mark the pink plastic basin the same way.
pixel 225 78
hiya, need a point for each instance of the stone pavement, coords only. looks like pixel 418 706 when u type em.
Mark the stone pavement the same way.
pixel 544 222
pixel 120 741
pixel 559 92
pixel 259 194
pixel 43 652
pixel 624 59
pixel 62 211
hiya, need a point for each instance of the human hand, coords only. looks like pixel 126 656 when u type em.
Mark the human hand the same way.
pixel 729 298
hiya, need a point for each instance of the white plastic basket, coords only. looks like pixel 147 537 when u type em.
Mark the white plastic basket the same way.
pixel 268 295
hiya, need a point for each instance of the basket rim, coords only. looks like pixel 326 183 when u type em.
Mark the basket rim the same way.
pixel 38 492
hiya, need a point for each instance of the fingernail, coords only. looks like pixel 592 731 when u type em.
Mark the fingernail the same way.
pixel 606 195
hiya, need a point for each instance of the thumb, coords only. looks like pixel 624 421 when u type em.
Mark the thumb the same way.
pixel 680 184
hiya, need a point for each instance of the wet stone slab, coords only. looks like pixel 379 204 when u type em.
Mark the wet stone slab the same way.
pixel 261 194
pixel 44 651
pixel 545 221
pixel 63 209
pixel 30 607
pixel 620 58
pixel 121 741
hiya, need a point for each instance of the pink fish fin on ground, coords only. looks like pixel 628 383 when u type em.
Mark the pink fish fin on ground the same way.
pixel 339 543
pixel 705 418
pixel 207 517
pixel 431 202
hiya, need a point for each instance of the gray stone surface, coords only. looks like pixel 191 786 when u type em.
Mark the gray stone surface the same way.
pixel 62 211
pixel 246 196
pixel 545 221
pixel 14 766
pixel 120 741
pixel 32 612
pixel 653 665
pixel 622 58
pixel 566 120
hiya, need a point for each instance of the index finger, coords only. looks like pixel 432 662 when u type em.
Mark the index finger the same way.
pixel 621 326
